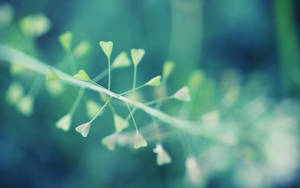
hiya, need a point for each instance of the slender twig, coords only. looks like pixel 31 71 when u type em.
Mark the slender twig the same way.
pixel 77 100
pixel 109 73
pixel 12 55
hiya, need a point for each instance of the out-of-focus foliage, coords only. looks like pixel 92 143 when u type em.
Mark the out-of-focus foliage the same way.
pixel 238 59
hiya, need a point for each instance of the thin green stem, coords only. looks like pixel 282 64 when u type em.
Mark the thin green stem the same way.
pixel 36 86
pixel 99 111
pixel 159 101
pixel 77 100
pixel 134 122
pixel 134 78
pixel 196 128
pixel 109 73
pixel 112 109
pixel 133 90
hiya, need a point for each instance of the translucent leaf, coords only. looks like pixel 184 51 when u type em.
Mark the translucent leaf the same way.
pixel 51 75
pixel 183 94
pixel 168 68
pixel 14 93
pixel 110 141
pixel 55 87
pixel 162 156
pixel 211 117
pixel 15 69
pixel 82 75
pixel 6 15
pixel 139 141
pixel 121 61
pixel 137 55
pixel 25 105
pixel 65 40
pixel 92 108
pixel 120 123
pixel 196 79
pixel 193 172
pixel 35 25
pixel 82 49
pixel 64 123
pixel 107 47
pixel 154 81
pixel 83 129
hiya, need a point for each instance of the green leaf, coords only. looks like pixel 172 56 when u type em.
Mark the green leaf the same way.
pixel 14 93
pixel 183 94
pixel 137 55
pixel 139 141
pixel 107 47
pixel 154 81
pixel 92 108
pixel 82 49
pixel 168 68
pixel 121 61
pixel 82 75
pixel 25 105
pixel 162 156
pixel 35 25
pixel 55 87
pixel 196 78
pixel 83 129
pixel 15 69
pixel 51 75
pixel 65 40
pixel 193 172
pixel 120 123
pixel 110 141
pixel 64 123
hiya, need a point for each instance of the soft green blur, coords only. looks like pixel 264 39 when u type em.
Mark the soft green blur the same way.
pixel 237 61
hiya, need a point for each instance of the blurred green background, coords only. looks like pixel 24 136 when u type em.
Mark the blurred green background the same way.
pixel 240 60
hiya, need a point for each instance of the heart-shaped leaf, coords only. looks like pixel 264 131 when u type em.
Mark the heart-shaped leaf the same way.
pixel 64 123
pixel 83 129
pixel 65 40
pixel 82 75
pixel 120 123
pixel 107 47
pixel 154 81
pixel 137 55
pixel 183 94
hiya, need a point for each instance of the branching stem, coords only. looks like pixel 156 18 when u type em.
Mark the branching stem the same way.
pixel 12 55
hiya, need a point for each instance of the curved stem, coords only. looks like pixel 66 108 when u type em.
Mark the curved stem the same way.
pixel 77 100
pixel 134 77
pixel 12 55
pixel 109 73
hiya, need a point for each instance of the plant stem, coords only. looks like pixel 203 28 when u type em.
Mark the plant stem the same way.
pixel 109 73
pixel 134 78
pixel 133 90
pixel 134 122
pixel 99 111
pixel 77 100
pixel 12 55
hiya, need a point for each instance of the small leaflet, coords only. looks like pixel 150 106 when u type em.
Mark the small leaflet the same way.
pixel 183 94
pixel 137 55
pixel 64 123
pixel 84 129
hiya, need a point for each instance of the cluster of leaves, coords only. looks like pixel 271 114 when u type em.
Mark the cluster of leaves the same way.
pixel 95 110
pixel 242 134
pixel 34 26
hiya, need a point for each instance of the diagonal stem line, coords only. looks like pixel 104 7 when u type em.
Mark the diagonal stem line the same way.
pixel 12 55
